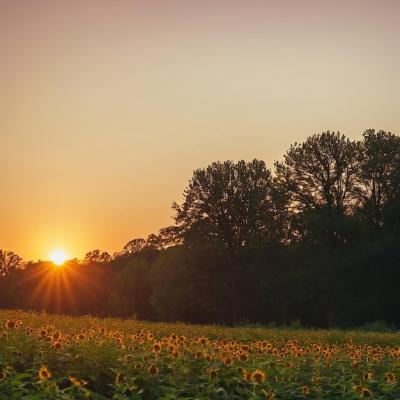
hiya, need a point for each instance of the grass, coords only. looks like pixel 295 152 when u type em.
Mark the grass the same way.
pixel 60 357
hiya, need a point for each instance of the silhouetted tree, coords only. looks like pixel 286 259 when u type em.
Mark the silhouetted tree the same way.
pixel 134 246
pixel 167 236
pixel 97 256
pixel 131 291
pixel 227 204
pixel 154 241
pixel 189 284
pixel 321 172
pixel 9 262
pixel 379 173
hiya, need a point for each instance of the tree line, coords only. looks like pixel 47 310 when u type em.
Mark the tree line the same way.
pixel 315 239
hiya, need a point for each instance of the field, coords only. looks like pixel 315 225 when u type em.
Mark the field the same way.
pixel 56 357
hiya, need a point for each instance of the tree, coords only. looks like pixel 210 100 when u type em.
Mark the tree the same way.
pixel 321 173
pixel 167 236
pixel 379 173
pixel 131 290
pixel 227 204
pixel 189 284
pixel 9 262
pixel 97 256
pixel 134 246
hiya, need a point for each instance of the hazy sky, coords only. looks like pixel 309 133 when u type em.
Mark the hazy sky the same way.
pixel 106 107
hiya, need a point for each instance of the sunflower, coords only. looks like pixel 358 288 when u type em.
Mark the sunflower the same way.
pixel 390 377
pixel 213 374
pixel 305 390
pixel 367 376
pixel 366 392
pixel 10 324
pixel 43 332
pixel 57 335
pixel 57 345
pixel 157 347
pixel 153 370
pixel 246 375
pixel 358 389
pixel 44 374
pixel 171 348
pixel 258 376
pixel 228 361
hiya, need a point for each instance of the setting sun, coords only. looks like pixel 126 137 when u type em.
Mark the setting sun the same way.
pixel 58 257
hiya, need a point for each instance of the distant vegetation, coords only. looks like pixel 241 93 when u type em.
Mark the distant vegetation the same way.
pixel 316 240
pixel 56 357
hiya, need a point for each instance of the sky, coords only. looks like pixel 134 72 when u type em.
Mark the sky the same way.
pixel 107 107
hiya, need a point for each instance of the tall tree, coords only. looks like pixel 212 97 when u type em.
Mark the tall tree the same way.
pixel 321 172
pixel 379 173
pixel 228 204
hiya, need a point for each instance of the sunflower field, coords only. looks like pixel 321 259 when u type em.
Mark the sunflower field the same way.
pixel 57 357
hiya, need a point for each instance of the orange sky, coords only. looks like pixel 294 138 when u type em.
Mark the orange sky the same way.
pixel 108 106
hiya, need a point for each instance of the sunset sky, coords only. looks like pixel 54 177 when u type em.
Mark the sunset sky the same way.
pixel 106 107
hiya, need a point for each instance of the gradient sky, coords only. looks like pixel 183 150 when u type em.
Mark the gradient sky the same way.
pixel 106 107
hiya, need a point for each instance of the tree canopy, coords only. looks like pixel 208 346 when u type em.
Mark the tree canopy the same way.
pixel 228 204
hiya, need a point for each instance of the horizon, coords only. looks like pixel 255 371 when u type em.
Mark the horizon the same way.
pixel 108 108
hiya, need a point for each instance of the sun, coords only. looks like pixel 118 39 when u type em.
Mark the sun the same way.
pixel 58 257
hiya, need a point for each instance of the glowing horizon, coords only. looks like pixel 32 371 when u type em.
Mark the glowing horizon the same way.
pixel 58 257
pixel 108 107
